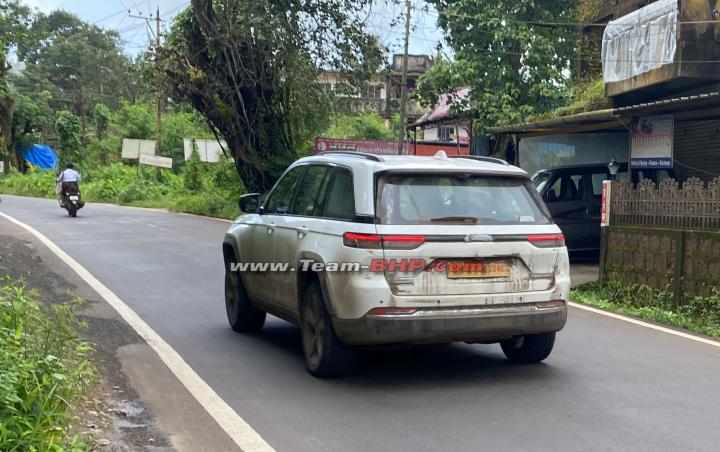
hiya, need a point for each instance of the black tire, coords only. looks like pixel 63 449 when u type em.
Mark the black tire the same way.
pixel 529 349
pixel 242 315
pixel 72 210
pixel 325 355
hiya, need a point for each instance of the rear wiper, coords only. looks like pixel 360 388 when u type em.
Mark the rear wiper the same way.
pixel 455 219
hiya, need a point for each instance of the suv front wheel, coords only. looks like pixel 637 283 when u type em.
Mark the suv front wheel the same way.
pixel 242 315
pixel 325 355
pixel 529 349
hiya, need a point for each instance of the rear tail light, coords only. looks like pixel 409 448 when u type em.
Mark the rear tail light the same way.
pixel 391 311
pixel 376 241
pixel 547 240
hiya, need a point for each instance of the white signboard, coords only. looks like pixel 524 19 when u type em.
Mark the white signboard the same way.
pixel 209 150
pixel 132 148
pixel 2 166
pixel 156 160
pixel 651 142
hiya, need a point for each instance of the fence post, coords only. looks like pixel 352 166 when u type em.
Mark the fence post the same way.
pixel 605 212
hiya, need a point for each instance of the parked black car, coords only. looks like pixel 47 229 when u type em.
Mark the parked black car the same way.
pixel 573 195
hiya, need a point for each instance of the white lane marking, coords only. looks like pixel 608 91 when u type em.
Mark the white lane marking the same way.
pixel 239 430
pixel 662 329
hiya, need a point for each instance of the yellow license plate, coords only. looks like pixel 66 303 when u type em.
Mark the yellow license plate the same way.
pixel 458 270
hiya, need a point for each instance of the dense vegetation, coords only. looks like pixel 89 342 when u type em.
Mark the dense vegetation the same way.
pixel 44 370
pixel 699 314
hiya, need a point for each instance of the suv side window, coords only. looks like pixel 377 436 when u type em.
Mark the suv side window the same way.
pixel 281 197
pixel 597 182
pixel 340 200
pixel 311 191
pixel 568 187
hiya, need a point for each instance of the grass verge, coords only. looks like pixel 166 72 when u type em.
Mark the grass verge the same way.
pixel 697 314
pixel 45 369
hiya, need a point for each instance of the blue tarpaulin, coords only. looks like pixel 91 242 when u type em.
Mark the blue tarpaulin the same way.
pixel 41 155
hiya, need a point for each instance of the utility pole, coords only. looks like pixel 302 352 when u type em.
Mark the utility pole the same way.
pixel 158 99
pixel 157 78
pixel 403 87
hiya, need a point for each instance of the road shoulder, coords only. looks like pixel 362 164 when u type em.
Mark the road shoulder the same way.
pixel 146 404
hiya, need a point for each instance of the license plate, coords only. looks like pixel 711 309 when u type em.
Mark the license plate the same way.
pixel 477 269
pixel 74 198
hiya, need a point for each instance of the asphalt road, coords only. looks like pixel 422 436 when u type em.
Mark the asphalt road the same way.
pixel 608 386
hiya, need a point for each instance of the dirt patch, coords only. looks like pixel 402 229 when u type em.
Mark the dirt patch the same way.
pixel 112 412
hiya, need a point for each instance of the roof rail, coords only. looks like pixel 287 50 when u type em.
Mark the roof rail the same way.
pixel 373 157
pixel 480 158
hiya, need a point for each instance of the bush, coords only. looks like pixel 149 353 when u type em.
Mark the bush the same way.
pixel 209 205
pixel 44 369
pixel 194 172
pixel 700 314
pixel 39 183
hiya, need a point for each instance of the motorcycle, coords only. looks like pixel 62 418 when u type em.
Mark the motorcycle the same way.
pixel 70 198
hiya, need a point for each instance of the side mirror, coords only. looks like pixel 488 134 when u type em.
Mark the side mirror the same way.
pixel 250 203
pixel 550 196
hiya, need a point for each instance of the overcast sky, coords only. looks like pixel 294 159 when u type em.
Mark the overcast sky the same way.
pixel 113 14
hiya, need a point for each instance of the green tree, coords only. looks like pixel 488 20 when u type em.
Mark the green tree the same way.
pixel 101 117
pixel 361 127
pixel 32 118
pixel 67 127
pixel 80 63
pixel 177 125
pixel 249 67
pixel 14 21
pixel 509 53
pixel 193 177
pixel 136 121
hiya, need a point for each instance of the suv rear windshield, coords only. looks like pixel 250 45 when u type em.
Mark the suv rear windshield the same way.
pixel 458 199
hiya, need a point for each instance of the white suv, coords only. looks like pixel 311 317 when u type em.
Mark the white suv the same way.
pixel 362 250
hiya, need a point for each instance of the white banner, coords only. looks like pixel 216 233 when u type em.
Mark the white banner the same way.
pixel 132 148
pixel 156 160
pixel 641 41
pixel 209 150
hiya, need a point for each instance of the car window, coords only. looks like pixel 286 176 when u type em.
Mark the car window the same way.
pixel 340 199
pixel 309 194
pixel 567 187
pixel 597 183
pixel 280 198
pixel 435 199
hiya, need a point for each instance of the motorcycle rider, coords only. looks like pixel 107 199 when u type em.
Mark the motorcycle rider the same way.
pixel 68 180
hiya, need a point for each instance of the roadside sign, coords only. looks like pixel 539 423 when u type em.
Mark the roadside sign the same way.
pixel 651 142
pixel 132 148
pixel 323 144
pixel 156 160
pixel 2 166
pixel 208 150
pixel 605 206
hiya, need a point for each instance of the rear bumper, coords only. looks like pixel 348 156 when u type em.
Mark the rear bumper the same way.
pixel 468 324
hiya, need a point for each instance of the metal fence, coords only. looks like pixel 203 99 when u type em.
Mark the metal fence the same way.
pixel 690 206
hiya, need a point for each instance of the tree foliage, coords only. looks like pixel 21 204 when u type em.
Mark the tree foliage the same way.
pixel 67 127
pixel 249 67
pixel 510 55
pixel 79 63
pixel 362 127
pixel 14 20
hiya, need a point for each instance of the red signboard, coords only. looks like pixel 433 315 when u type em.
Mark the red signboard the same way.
pixel 605 206
pixel 323 144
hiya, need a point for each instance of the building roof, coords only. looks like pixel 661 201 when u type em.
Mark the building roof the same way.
pixel 441 111
pixel 612 118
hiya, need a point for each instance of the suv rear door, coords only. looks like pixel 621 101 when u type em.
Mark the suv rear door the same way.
pixel 493 226
pixel 566 197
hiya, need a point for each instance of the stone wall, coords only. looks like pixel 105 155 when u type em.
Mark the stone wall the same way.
pixel 685 262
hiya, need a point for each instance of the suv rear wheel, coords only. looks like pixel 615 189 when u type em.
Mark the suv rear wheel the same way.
pixel 242 315
pixel 325 355
pixel 529 349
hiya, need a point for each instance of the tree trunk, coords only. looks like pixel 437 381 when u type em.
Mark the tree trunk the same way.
pixel 6 115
